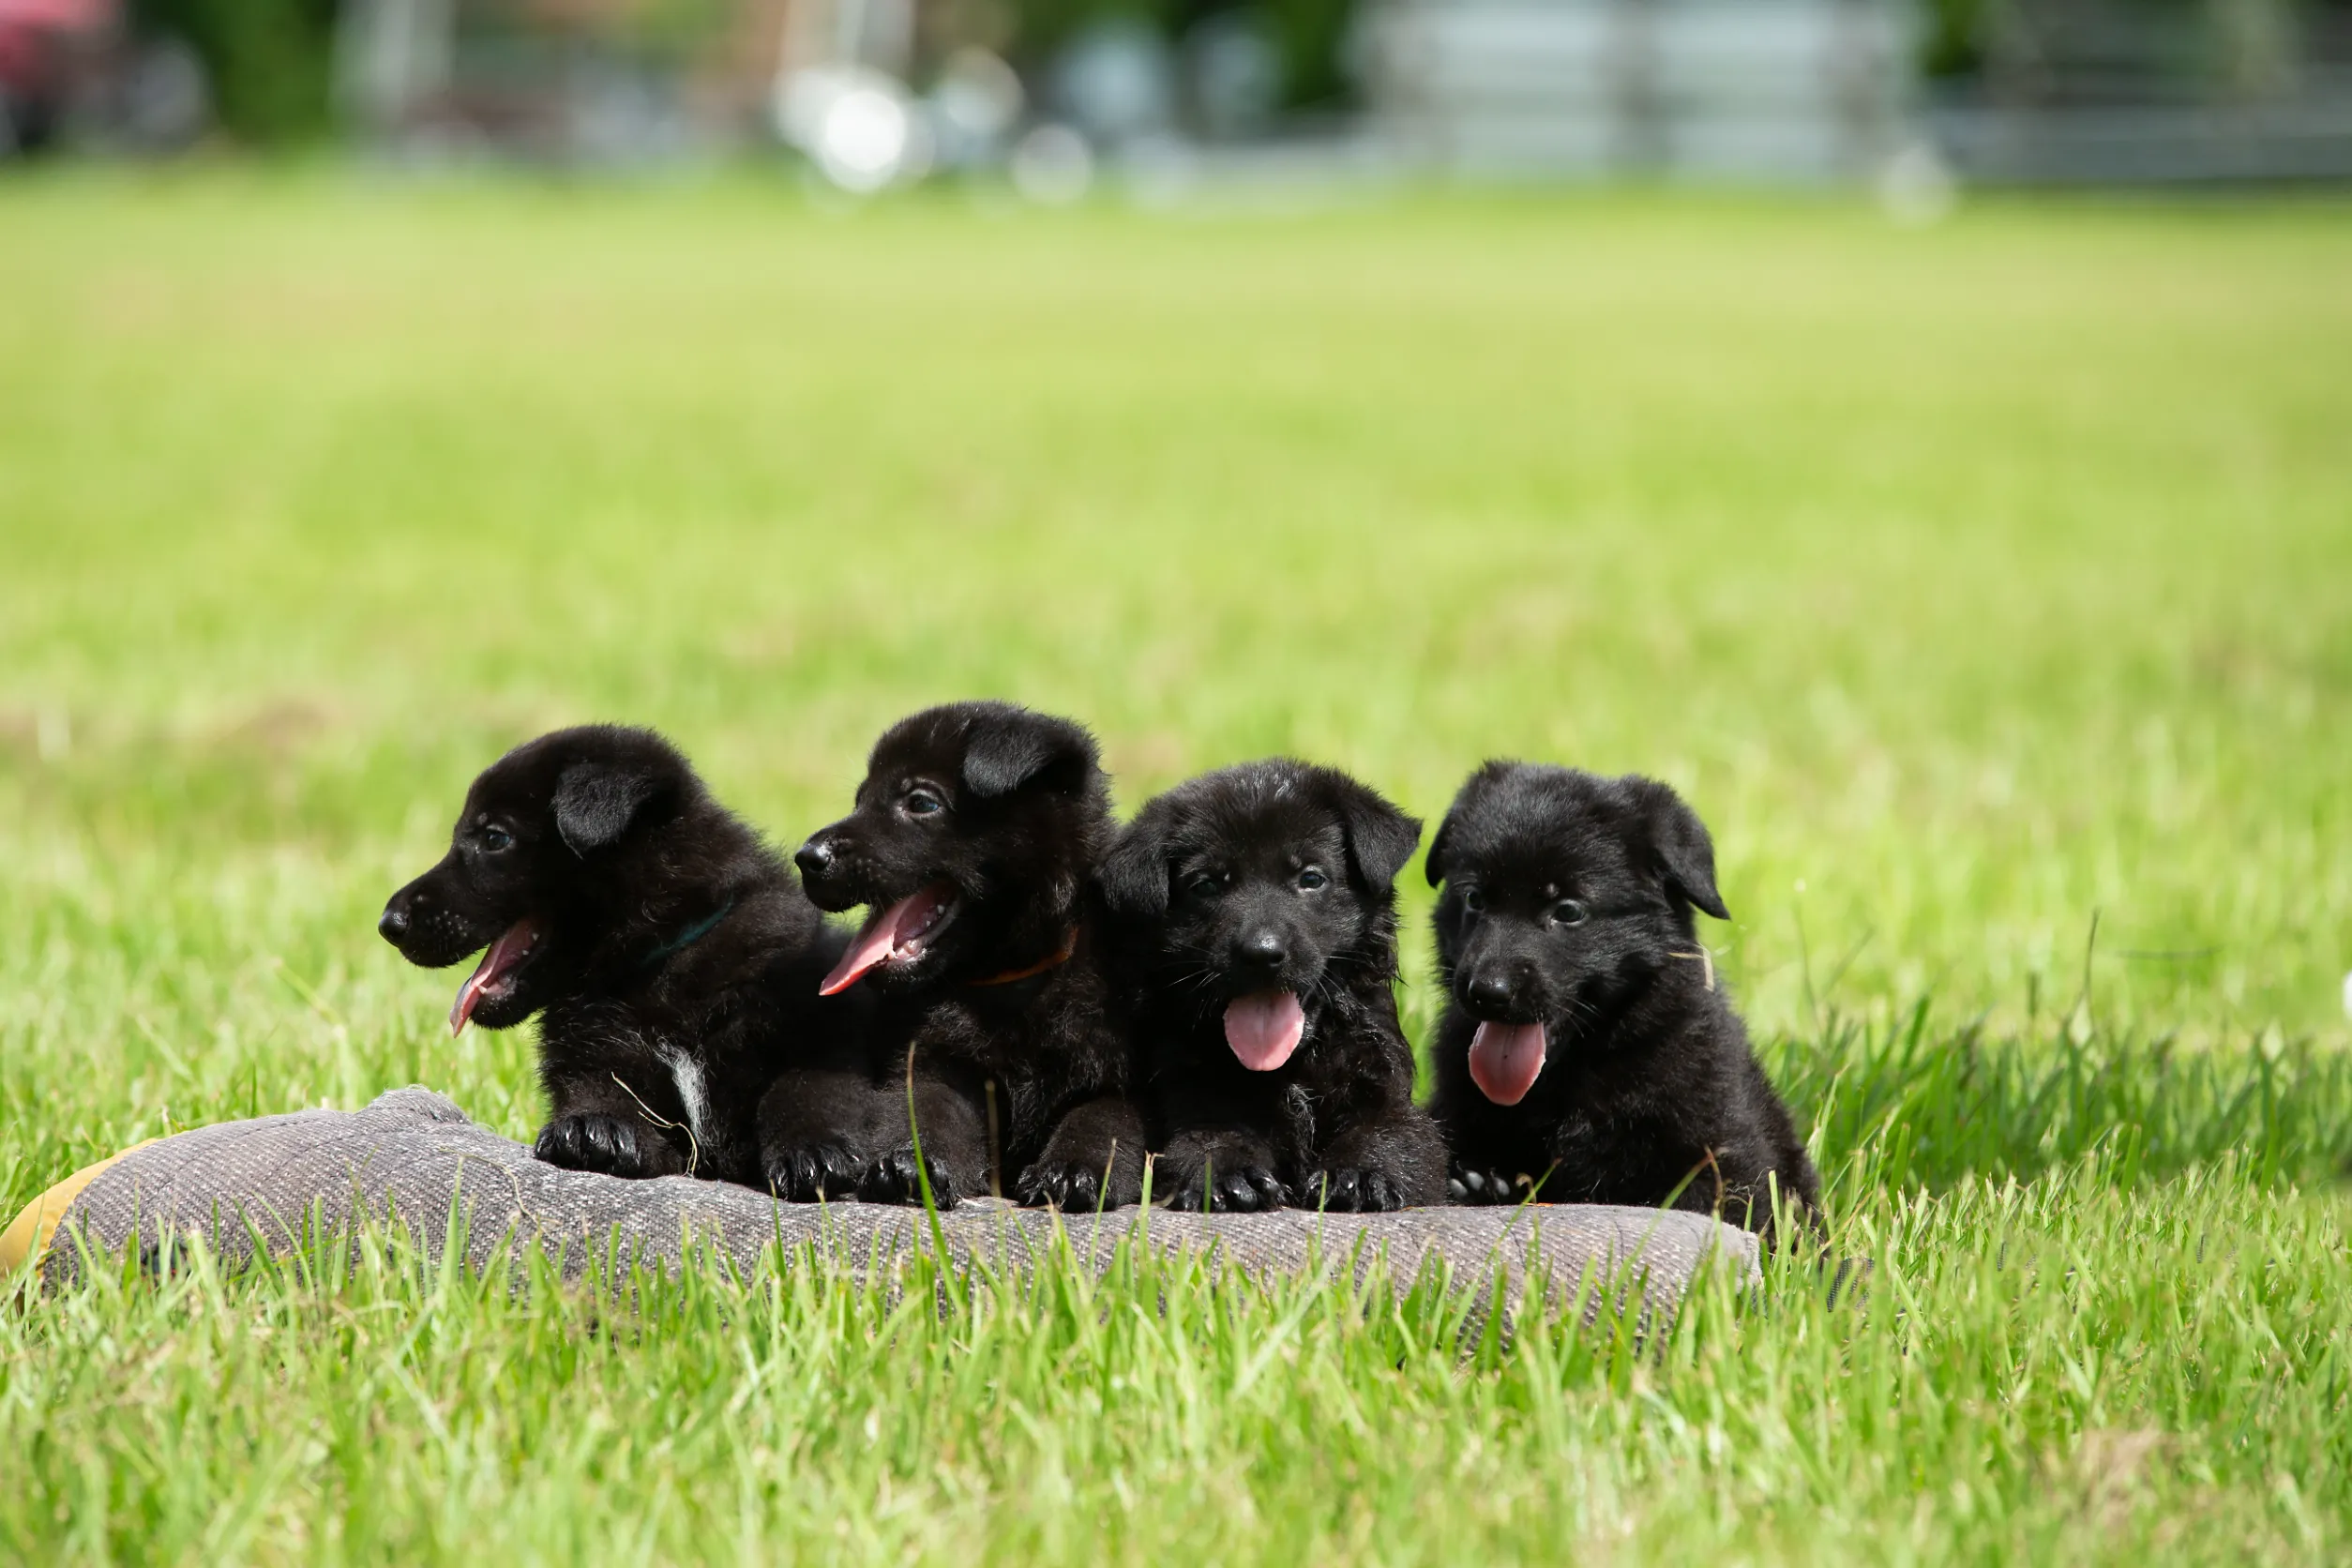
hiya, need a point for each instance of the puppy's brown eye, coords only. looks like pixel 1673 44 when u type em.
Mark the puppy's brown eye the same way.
pixel 1473 901
pixel 1568 912
pixel 1311 879
pixel 496 839
pixel 922 803
pixel 1205 885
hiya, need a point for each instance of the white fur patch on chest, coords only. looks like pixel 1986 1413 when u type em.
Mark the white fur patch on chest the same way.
pixel 693 1093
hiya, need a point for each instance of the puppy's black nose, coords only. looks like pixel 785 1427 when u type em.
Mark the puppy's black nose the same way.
pixel 1492 993
pixel 815 858
pixel 393 924
pixel 1266 949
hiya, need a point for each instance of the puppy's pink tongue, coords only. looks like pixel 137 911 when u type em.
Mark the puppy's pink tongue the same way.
pixel 1263 1028
pixel 1505 1059
pixel 500 959
pixel 884 934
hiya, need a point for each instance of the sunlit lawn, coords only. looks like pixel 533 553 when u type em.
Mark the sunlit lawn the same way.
pixel 1984 587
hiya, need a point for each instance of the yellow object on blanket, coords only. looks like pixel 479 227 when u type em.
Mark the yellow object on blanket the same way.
pixel 27 1237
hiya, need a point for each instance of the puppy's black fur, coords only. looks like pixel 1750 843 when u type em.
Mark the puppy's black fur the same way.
pixel 673 957
pixel 1226 894
pixel 975 836
pixel 1567 905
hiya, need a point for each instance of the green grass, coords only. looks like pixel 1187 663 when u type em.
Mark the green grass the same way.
pixel 1978 585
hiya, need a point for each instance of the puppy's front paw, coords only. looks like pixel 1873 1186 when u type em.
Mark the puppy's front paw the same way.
pixel 894 1179
pixel 815 1172
pixel 605 1144
pixel 1351 1190
pixel 1476 1186
pixel 1072 1188
pixel 1245 1190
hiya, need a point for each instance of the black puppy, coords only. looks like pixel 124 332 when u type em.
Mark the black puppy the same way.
pixel 975 836
pixel 1255 918
pixel 673 956
pixel 1584 1035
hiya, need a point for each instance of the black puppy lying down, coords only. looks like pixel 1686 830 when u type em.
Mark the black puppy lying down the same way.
pixel 974 838
pixel 1255 920
pixel 673 956
pixel 1584 1037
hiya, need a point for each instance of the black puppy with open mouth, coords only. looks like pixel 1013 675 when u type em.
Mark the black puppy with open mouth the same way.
pixel 673 955
pixel 972 846
pixel 1253 921
pixel 1587 1054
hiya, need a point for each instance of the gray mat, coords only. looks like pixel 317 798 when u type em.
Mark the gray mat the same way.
pixel 412 1154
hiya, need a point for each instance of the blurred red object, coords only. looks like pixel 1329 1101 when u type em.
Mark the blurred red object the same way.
pixel 46 47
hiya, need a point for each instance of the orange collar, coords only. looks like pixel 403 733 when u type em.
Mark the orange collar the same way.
pixel 1069 945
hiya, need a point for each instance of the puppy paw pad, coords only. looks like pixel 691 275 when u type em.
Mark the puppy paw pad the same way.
pixel 1365 1192
pixel 1465 1185
pixel 895 1179
pixel 602 1144
pixel 1244 1192
pixel 1070 1188
pixel 809 1175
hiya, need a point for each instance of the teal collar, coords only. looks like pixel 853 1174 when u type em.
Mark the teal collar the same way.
pixel 691 935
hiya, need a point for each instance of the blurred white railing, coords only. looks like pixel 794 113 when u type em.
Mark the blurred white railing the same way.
pixel 1778 90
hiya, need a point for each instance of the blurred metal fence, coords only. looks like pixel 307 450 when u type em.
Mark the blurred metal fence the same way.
pixel 2128 92
pixel 1908 93
pixel 1764 89
pixel 2093 91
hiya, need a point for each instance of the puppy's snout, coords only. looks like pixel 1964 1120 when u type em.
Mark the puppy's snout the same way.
pixel 393 924
pixel 815 858
pixel 1262 949
pixel 1504 991
pixel 1491 991
pixel 831 868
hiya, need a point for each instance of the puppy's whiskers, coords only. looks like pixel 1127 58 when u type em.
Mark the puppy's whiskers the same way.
pixel 1579 1015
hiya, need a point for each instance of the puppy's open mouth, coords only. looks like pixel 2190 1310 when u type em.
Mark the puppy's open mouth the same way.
pixel 1505 1059
pixel 900 935
pixel 493 978
pixel 1264 1028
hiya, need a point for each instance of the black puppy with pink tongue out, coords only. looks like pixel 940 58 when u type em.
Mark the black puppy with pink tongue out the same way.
pixel 1253 927
pixel 973 849
pixel 670 957
pixel 1588 1053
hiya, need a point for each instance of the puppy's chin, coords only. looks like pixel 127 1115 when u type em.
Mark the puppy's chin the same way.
pixel 830 896
pixel 504 1011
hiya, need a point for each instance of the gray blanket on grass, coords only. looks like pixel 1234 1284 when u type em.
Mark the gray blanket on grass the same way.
pixel 411 1157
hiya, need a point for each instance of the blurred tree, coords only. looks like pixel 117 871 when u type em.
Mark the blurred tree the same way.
pixel 1046 26
pixel 1310 36
pixel 1313 37
pixel 270 61
pixel 1954 43
pixel 678 29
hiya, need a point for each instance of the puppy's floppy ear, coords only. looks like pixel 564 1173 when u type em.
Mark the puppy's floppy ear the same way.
pixel 1134 875
pixel 1007 751
pixel 1474 788
pixel 1686 854
pixel 596 802
pixel 1434 865
pixel 1379 836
